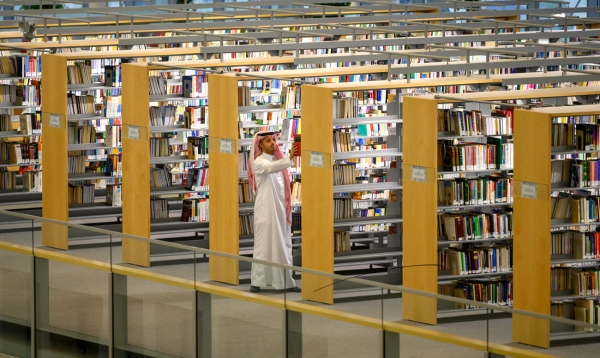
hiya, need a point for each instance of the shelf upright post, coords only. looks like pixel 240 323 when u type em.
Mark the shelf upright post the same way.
pixel 223 154
pixel 419 207
pixel 55 201
pixel 531 250
pixel 317 191
pixel 136 162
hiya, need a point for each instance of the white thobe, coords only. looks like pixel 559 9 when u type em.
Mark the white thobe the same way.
pixel 272 232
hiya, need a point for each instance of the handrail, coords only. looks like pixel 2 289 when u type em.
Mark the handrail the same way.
pixel 364 282
pixel 299 307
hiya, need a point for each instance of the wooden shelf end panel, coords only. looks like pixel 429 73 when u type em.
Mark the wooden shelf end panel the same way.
pixel 317 192
pixel 224 207
pixel 416 307
pixel 419 208
pixel 531 250
pixel 55 201
pixel 136 164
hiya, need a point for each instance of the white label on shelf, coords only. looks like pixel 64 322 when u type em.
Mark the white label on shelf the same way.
pixel 528 190
pixel 419 174
pixel 133 132
pixel 54 120
pixel 391 131
pixel 316 160
pixel 226 146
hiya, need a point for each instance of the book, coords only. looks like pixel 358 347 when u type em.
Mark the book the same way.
pixel 298 143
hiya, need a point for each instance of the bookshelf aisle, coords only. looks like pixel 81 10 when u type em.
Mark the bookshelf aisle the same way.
pixel 556 220
pixel 427 186
pixel 72 120
pixel 161 146
pixel 350 179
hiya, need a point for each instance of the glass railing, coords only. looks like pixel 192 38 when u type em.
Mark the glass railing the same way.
pixel 87 302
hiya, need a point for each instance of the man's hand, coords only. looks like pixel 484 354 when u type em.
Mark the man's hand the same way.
pixel 293 152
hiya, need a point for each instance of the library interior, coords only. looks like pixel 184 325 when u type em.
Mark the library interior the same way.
pixel 443 200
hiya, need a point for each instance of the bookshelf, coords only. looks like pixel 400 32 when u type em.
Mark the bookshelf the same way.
pixel 56 178
pixel 421 242
pixel 534 212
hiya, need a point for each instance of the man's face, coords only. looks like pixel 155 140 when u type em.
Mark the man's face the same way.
pixel 268 145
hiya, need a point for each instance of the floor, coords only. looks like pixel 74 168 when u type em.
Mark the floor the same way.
pixel 160 317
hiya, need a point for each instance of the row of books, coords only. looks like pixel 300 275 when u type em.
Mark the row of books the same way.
pixel 6 122
pixel 247 224
pixel 77 164
pixel 159 209
pixel 195 117
pixel 496 292
pixel 341 241
pixel 81 193
pixel 195 210
pixel 576 173
pixel 158 85
pixel 476 156
pixel 21 152
pixel 28 95
pixel 478 191
pixel 579 207
pixel 368 209
pixel 471 123
pixel 475 226
pixel 32 181
pixel 29 123
pixel 114 165
pixel 476 259
pixel 162 116
pixel 79 73
pixel 380 227
pixel 20 66
pixel 582 136
pixel 197 179
pixel 344 174
pixel 81 134
pixel 114 195
pixel 197 147
pixel 112 106
pixel 80 104
pixel 161 146
pixel 19 95
pixel 245 195
pixel 8 180
pixel 581 310
pixel 160 178
pixel 194 86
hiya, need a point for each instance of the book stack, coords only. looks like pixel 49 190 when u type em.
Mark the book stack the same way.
pixel 246 224
pixel 32 181
pixel 8 180
pixel 113 195
pixel 159 209
pixel 195 210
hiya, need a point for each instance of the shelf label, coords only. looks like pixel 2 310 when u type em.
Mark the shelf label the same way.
pixel 226 146
pixel 54 120
pixel 528 190
pixel 133 132
pixel 392 131
pixel 418 174
pixel 316 160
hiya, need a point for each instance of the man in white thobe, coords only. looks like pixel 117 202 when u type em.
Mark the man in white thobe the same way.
pixel 269 176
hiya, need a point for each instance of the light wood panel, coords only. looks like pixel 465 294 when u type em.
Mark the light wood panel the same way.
pixel 136 164
pixel 84 55
pixel 317 192
pixel 55 201
pixel 64 44
pixel 419 209
pixel 531 244
pixel 276 60
pixel 224 206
